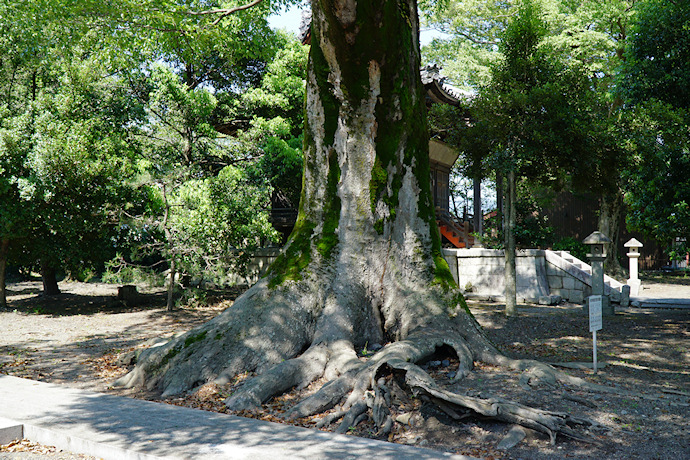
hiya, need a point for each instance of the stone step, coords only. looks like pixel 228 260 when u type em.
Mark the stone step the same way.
pixel 612 287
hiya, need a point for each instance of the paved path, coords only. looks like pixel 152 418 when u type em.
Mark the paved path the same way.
pixel 660 295
pixel 115 427
pixel 659 302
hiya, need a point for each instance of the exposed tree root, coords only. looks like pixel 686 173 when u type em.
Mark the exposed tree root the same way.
pixel 359 387
pixel 547 422
pixel 362 391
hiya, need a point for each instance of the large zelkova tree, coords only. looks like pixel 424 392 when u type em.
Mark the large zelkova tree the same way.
pixel 363 265
pixel 656 82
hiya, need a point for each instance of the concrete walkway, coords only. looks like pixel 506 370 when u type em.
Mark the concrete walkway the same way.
pixel 659 295
pixel 115 427
pixel 659 302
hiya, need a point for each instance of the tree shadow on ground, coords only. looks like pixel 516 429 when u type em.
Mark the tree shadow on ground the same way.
pixel 28 298
pixel 681 278
pixel 76 304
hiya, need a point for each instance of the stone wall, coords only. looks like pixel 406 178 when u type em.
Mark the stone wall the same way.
pixel 262 259
pixel 480 272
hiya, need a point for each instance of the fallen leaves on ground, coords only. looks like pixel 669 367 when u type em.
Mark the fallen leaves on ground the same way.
pixel 24 445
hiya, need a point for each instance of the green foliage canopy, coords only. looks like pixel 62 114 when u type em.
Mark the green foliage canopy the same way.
pixel 656 82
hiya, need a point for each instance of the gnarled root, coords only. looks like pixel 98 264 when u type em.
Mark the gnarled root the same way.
pixel 547 422
pixel 364 391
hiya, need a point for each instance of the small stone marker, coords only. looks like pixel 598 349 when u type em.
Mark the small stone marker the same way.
pixel 595 324
pixel 129 295
pixel 550 300
pixel 625 295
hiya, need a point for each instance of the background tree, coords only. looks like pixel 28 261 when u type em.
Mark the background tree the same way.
pixel 473 30
pixel 591 35
pixel 76 170
pixel 122 41
pixel 656 81
pixel 64 142
pixel 530 120
pixel 197 140
pixel 218 222
pixel 24 44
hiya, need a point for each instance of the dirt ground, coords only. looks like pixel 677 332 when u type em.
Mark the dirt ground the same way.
pixel 81 337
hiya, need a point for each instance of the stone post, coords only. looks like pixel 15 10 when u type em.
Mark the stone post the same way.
pixel 633 256
pixel 597 243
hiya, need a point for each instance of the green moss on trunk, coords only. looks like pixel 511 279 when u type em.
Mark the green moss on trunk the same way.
pixel 194 338
pixel 401 133
pixel 331 212
pixel 296 257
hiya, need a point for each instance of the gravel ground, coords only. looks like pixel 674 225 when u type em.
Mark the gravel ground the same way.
pixel 76 339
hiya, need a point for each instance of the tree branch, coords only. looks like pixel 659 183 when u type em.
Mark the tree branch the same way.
pixel 223 12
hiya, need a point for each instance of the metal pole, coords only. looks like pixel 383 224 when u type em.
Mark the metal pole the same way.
pixel 594 350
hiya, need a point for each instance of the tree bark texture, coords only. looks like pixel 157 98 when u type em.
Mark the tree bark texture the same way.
pixel 499 202
pixel 477 205
pixel 363 265
pixel 4 250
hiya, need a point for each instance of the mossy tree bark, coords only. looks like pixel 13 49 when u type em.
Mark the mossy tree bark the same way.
pixel 363 265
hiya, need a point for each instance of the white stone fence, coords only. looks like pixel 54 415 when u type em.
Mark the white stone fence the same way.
pixel 480 273
pixel 541 274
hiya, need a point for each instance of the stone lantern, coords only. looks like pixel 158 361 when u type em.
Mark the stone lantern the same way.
pixel 597 244
pixel 634 253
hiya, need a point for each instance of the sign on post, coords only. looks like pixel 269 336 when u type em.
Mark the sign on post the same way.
pixel 595 303
pixel 595 324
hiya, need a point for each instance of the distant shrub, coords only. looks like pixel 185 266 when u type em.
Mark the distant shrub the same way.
pixel 573 246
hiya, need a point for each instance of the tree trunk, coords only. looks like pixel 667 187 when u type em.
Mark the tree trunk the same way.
pixel 170 304
pixel 4 250
pixel 509 238
pixel 499 203
pixel 169 248
pixel 610 215
pixel 363 265
pixel 50 285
